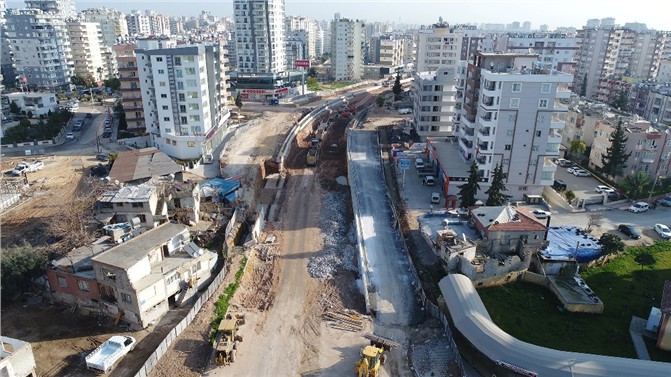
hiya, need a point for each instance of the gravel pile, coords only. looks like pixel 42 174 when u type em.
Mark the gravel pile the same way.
pixel 431 357
pixel 339 239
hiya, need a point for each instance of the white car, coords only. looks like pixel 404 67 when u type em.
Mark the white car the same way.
pixel 540 214
pixel 663 231
pixel 435 198
pixel 70 136
pixel 601 189
pixel 571 169
pixel 581 173
pixel 405 111
pixel 638 207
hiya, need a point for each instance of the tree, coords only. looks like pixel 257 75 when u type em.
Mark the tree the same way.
pixel 312 72
pixel 496 197
pixel 577 147
pixel 469 190
pixel 397 89
pixel 238 101
pixel 569 195
pixel 645 258
pixel 594 220
pixel 615 160
pixel 621 101
pixel 380 101
pixel 583 88
pixel 14 108
pixel 611 243
pixel 20 265
pixel 636 185
pixel 29 114
pixel 313 84
pixel 113 83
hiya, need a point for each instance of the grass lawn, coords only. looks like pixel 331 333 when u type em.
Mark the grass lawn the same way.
pixel 530 313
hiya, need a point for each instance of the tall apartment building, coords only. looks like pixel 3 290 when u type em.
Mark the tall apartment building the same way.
pixel 308 27
pixel 581 122
pixel 112 23
pixel 7 69
pixel 131 92
pixel 388 51
pixel 347 49
pixel 658 106
pixel 650 147
pixel 260 36
pixel 664 71
pixel 41 48
pixel 60 8
pixel 435 102
pixel 297 47
pixel 138 23
pixel 512 115
pixel 88 47
pixel 182 96
pixel 555 50
pixel 662 53
pixel 592 50
pixel 158 23
pixel 438 46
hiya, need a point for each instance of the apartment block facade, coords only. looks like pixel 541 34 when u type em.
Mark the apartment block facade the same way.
pixel 88 49
pixel 131 92
pixel 438 46
pixel 435 102
pixel 555 50
pixel 390 51
pixel 512 115
pixel 347 49
pixel 260 36
pixel 112 23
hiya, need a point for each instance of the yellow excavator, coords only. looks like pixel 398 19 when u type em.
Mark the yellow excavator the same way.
pixel 374 356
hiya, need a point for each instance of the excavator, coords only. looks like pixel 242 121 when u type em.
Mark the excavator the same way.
pixel 373 356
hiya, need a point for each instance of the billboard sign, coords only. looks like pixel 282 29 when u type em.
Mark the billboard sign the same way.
pixel 302 63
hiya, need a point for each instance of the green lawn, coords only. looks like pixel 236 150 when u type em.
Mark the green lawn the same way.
pixel 531 313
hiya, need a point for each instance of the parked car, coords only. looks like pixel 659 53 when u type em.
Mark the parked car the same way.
pixel 107 134
pixel 563 162
pixel 429 181
pixel 540 214
pixel 419 163
pixel 639 207
pixel 629 231
pixel 102 157
pixel 435 198
pixel 559 185
pixel 405 111
pixel 581 173
pixel 70 136
pixel 601 189
pixel 663 231
pixel 571 168
pixel 27 167
pixel 666 202
pixel 89 115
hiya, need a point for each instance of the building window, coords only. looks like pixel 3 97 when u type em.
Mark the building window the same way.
pixel 505 161
pixel 191 83
pixel 517 87
pixel 163 95
pixel 167 119
pixel 161 83
pixel 168 131
pixel 62 282
pixel 193 106
pixel 534 148
pixel 178 60
pixel 138 205
pixel 83 286
pixel 191 94
pixel 191 144
pixel 164 107
pixel 183 120
pixel 178 73
pixel 194 118
pixel 119 204
pixel 508 147
pixel 543 103
pixel 181 97
pixel 189 59
pixel 190 71
pixel 180 85
pixel 159 59
pixel 109 274
pixel 125 297
pixel 545 87
pixel 514 103
pixel 538 133
pixel 160 71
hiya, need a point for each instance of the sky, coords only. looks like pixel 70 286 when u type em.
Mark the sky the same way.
pixel 425 12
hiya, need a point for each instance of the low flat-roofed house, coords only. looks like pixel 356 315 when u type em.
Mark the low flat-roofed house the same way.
pixel 36 103
pixel 16 359
pixel 122 204
pixel 138 166
pixel 147 274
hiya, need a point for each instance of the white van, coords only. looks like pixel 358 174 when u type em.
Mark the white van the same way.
pixel 429 181
pixel 419 163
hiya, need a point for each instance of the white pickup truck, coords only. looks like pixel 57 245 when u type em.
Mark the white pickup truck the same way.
pixel 27 167
pixel 108 353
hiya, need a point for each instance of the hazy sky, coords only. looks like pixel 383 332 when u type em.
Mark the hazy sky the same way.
pixel 654 13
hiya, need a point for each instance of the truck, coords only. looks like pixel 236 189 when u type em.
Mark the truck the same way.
pixel 108 353
pixel 313 153
pixel 226 345
pixel 27 167
pixel 373 357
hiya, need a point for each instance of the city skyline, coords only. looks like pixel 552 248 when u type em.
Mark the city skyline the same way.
pixel 425 11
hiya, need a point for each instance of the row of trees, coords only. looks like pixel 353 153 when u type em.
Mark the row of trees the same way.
pixel 43 130
pixel 495 194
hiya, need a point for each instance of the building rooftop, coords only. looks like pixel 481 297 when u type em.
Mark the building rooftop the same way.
pixel 142 164
pixel 450 158
pixel 132 251
pixel 78 261
pixel 126 194
pixel 506 218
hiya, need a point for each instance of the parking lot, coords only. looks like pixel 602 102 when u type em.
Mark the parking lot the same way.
pixel 583 187
pixel 415 194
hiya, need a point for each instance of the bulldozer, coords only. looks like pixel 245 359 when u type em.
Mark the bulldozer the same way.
pixel 374 356
pixel 228 339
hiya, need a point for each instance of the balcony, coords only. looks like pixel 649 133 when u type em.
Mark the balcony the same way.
pixel 490 89
pixel 558 121
pixel 483 147
pixel 466 143
pixel 482 160
pixel 649 147
pixel 487 120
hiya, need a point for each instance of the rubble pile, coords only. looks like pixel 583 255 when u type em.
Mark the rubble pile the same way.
pixel 432 355
pixel 338 250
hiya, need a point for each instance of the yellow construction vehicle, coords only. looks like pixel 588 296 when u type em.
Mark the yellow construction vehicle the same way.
pixel 227 339
pixel 373 356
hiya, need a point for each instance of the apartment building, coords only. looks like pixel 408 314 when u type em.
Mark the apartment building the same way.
pixel 131 92
pixel 512 114
pixel 592 50
pixel 112 23
pixel 87 47
pixel 7 71
pixel 138 24
pixel 658 106
pixel 297 47
pixel 435 102
pixel 307 31
pixel 158 23
pixel 260 36
pixel 389 51
pixel 63 9
pixel 664 71
pixel 438 46
pixel 182 96
pixel 37 103
pixel 145 202
pixel 16 358
pixel 347 49
pixel 43 59
pixel 650 146
pixel 581 121
pixel 662 53
pixel 555 50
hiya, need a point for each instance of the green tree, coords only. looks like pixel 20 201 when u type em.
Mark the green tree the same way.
pixel 380 101
pixel 469 190
pixel 397 89
pixel 14 108
pixel 645 258
pixel 611 243
pixel 238 101
pixel 577 147
pixel 20 265
pixel 621 101
pixel 113 83
pixel 121 114
pixel 615 160
pixel 496 197
pixel 569 195
pixel 313 84
pixel 636 185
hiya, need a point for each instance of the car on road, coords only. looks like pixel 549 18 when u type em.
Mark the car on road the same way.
pixel 70 136
pixel 429 181
pixel 419 163
pixel 638 207
pixel 570 169
pixel 666 202
pixel 107 134
pixel 629 230
pixel 563 162
pixel 663 231
pixel 559 185
pixel 540 214
pixel 581 173
pixel 601 189
pixel 435 198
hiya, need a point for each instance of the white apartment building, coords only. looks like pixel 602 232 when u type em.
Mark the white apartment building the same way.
pixel 438 46
pixel 7 71
pixel 158 24
pixel 390 51
pixel 87 47
pixel 60 8
pixel 138 24
pixel 112 23
pixel 555 50
pixel 182 96
pixel 297 43
pixel 260 36
pixel 664 71
pixel 43 59
pixel 434 95
pixel 309 27
pixel 512 115
pixel 347 49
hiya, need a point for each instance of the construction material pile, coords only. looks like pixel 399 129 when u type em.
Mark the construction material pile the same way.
pixel 344 320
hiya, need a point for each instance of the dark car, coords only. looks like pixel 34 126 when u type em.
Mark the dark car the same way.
pixel 559 185
pixel 629 231
pixel 107 134
pixel 665 202
pixel 102 157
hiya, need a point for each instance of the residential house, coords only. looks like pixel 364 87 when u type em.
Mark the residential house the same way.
pixel 146 275
pixel 144 201
pixel 137 166
pixel 508 230
pixel 36 103
pixel 16 358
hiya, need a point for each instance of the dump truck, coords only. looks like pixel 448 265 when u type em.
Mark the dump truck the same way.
pixel 105 355
pixel 226 345
pixel 374 356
